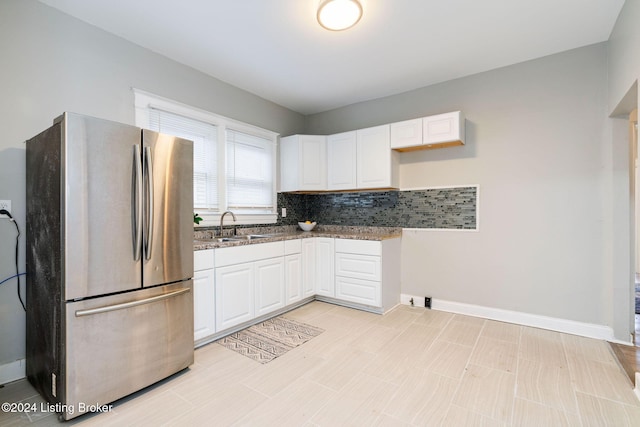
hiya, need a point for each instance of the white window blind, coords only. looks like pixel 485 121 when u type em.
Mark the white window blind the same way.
pixel 249 172
pixel 204 137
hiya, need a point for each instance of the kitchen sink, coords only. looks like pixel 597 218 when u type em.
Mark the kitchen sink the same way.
pixel 241 238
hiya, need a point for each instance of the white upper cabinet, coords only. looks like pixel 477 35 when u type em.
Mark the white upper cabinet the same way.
pixel 377 165
pixel 406 134
pixel 341 161
pixel 442 130
pixel 361 159
pixel 303 163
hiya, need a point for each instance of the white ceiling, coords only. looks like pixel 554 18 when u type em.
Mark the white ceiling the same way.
pixel 277 50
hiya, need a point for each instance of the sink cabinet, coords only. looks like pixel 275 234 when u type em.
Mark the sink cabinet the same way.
pixel 234 295
pixel 249 282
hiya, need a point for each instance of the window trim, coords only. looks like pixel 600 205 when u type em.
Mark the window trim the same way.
pixel 145 100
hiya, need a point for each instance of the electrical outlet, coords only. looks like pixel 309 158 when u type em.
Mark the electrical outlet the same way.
pixel 427 302
pixel 6 205
pixel 284 212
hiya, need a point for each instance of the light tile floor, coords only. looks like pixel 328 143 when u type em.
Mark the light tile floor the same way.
pixel 409 367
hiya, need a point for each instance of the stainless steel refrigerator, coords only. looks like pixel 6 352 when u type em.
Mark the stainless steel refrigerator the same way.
pixel 109 236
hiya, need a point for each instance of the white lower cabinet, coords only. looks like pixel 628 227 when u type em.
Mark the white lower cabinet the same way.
pixel 293 278
pixel 368 272
pixel 293 271
pixel 250 282
pixel 269 285
pixel 204 318
pixel 234 295
pixel 242 283
pixel 308 267
pixel 357 290
pixel 325 279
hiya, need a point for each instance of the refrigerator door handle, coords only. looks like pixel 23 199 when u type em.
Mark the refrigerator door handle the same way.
pixel 137 203
pixel 149 211
pixel 107 308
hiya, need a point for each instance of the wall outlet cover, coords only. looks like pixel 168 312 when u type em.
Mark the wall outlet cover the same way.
pixel 6 205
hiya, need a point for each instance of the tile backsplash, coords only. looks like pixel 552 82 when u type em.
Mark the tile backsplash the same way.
pixel 442 208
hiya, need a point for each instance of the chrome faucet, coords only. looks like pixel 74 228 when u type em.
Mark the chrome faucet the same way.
pixel 222 220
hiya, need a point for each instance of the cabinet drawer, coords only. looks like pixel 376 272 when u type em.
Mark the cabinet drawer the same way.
pixel 248 253
pixel 362 247
pixel 203 260
pixel 365 267
pixel 292 246
pixel 359 291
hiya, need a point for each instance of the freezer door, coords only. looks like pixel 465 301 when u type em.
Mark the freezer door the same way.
pixel 98 201
pixel 168 208
pixel 120 344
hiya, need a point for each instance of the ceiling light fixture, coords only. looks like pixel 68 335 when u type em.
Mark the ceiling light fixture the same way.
pixel 337 15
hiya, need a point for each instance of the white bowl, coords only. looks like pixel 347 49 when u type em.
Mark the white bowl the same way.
pixel 306 227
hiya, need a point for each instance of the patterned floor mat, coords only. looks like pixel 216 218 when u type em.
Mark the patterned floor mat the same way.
pixel 272 338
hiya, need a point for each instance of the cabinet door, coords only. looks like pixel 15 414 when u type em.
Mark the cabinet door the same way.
pixel 325 284
pixel 341 161
pixel 293 278
pixel 234 295
pixel 374 157
pixel 308 267
pixel 406 134
pixel 289 156
pixel 204 318
pixel 313 162
pixel 269 285
pixel 443 128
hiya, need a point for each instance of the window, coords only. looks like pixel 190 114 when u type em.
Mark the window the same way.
pixel 205 165
pixel 249 172
pixel 234 163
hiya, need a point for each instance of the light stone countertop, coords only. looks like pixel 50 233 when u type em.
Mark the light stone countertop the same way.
pixel 204 239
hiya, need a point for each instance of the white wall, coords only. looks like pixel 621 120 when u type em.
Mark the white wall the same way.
pixel 539 146
pixel 53 63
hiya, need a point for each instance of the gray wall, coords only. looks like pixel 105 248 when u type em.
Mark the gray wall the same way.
pixel 624 55
pixel 53 63
pixel 623 71
pixel 539 146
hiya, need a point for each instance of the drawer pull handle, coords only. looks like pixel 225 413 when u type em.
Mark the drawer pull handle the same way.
pixel 107 308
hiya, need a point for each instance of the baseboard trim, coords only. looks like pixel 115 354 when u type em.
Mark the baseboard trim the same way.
pixel 12 371
pixel 526 319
